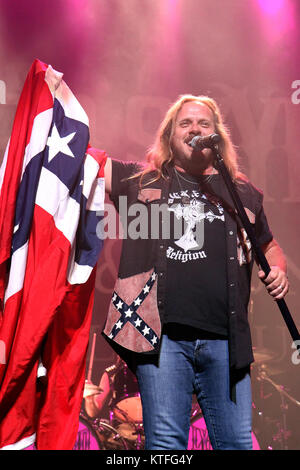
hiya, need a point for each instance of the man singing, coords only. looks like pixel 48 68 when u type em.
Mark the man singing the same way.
pixel 178 314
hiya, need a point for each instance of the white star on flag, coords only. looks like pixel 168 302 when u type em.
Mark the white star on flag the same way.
pixel 137 301
pixel 114 297
pixel 154 340
pixel 153 276
pixel 119 305
pixel 146 331
pixel 138 322
pixel 119 324
pixel 57 144
pixel 146 289
pixel 128 313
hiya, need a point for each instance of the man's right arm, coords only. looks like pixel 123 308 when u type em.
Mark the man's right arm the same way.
pixel 108 175
pixel 116 175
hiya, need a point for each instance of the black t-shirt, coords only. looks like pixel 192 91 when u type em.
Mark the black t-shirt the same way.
pixel 141 255
pixel 196 293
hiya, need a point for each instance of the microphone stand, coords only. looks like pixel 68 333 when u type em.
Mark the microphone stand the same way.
pixel 254 242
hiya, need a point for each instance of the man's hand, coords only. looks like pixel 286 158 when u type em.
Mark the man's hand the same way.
pixel 276 282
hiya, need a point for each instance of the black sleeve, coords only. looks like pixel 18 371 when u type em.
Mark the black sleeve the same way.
pixel 121 171
pixel 262 229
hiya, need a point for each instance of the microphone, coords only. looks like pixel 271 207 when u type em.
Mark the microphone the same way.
pixel 205 142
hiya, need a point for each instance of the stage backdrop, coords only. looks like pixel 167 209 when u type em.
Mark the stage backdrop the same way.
pixel 126 61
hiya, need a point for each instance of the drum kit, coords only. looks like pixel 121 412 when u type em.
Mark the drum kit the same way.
pixel 270 421
pixel 124 428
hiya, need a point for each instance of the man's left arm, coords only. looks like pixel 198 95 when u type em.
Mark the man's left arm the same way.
pixel 276 282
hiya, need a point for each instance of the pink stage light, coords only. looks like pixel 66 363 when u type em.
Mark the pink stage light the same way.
pixel 271 7
pixel 171 14
pixel 277 17
pixel 170 30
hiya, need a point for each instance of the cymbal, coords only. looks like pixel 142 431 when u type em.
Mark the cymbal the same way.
pixel 262 355
pixel 91 389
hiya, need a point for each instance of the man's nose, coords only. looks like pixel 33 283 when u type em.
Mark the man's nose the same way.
pixel 195 129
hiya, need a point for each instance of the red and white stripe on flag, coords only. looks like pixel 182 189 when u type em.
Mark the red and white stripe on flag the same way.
pixel 51 181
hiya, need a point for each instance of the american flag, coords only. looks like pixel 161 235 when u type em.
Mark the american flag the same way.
pixel 51 200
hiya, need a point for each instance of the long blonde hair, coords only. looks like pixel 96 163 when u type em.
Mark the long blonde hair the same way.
pixel 160 154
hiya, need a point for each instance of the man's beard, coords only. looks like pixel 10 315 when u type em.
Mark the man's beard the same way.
pixel 197 163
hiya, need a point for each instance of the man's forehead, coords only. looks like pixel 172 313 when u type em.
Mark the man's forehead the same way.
pixel 194 108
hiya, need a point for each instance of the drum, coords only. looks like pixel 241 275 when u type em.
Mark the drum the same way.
pixel 87 436
pixel 126 402
pixel 98 435
pixel 109 437
pixel 133 434
pixel 198 435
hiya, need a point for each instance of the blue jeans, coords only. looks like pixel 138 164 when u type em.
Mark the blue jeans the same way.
pixel 199 366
